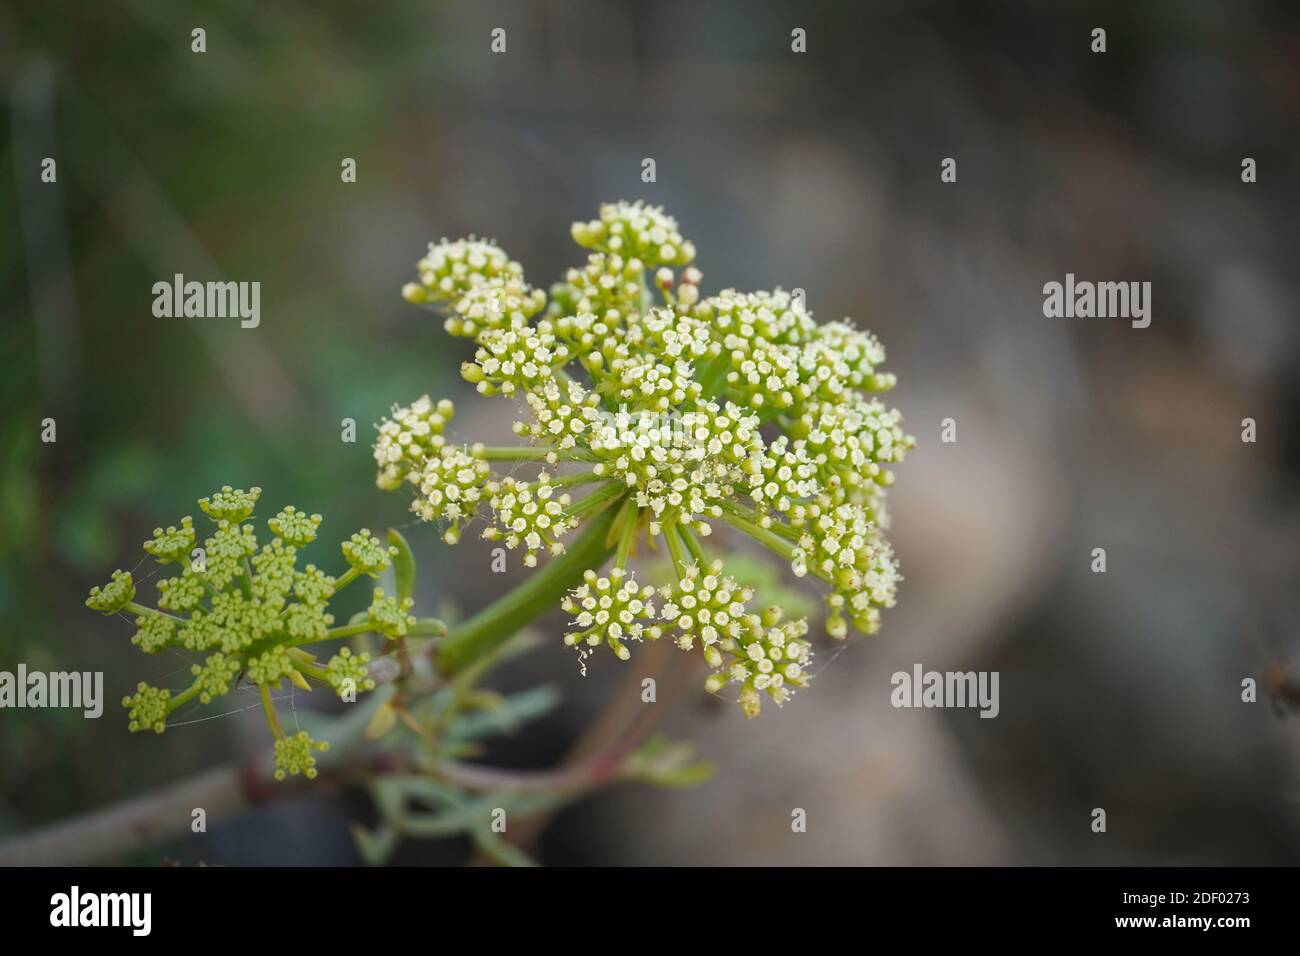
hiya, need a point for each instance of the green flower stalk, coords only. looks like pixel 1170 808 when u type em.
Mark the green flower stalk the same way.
pixel 657 415
pixel 249 611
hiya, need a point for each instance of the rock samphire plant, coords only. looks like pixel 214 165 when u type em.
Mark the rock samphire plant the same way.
pixel 654 415
pixel 651 417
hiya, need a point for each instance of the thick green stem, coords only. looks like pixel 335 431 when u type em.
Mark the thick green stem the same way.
pixel 541 592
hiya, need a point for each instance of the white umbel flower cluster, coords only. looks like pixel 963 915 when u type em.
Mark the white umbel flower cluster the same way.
pixel 529 513
pixel 610 610
pixel 678 414
pixel 408 439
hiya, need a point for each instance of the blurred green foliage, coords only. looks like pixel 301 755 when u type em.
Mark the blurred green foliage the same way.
pixel 223 165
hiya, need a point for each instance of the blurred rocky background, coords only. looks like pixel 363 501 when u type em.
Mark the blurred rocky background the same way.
pixel 819 170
